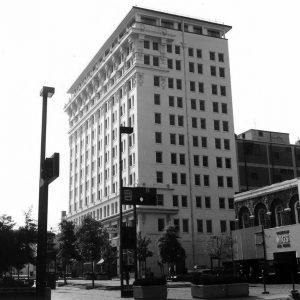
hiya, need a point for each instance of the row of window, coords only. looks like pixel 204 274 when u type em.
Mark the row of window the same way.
pixel 200 225
pixel 180 178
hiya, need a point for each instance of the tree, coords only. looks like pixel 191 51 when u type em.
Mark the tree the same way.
pixel 90 240
pixel 143 251
pixel 170 249
pixel 220 248
pixel 109 254
pixel 67 250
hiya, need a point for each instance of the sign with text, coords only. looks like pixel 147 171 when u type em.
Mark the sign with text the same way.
pixel 283 239
pixel 139 196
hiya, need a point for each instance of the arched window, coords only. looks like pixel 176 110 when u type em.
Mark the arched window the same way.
pixel 279 215
pixel 246 219
pixel 261 215
pixel 297 211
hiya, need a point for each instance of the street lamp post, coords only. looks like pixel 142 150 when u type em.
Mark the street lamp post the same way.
pixel 265 259
pixel 46 92
pixel 125 130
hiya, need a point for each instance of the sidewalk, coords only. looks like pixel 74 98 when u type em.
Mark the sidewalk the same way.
pixel 110 290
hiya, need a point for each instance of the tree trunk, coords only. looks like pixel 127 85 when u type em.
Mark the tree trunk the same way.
pixel 65 277
pixel 93 280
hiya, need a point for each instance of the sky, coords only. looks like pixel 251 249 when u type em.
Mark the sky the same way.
pixel 49 42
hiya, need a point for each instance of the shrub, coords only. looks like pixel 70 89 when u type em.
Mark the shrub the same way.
pixel 150 281
pixel 214 279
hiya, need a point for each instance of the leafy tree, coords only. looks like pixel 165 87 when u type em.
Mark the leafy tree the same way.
pixel 220 248
pixel 143 251
pixel 90 241
pixel 170 249
pixel 109 254
pixel 67 250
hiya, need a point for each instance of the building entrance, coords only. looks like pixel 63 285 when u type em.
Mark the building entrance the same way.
pixel 285 264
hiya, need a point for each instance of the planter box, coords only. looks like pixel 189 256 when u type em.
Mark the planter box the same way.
pixel 22 293
pixel 220 290
pixel 155 292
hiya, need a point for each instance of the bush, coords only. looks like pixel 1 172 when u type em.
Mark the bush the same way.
pixel 150 281
pixel 214 279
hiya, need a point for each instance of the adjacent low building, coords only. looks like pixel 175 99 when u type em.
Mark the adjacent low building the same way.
pixel 275 212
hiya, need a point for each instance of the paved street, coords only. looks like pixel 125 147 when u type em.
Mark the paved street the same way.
pixel 76 290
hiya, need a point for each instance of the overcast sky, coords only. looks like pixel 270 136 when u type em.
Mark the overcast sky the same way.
pixel 50 42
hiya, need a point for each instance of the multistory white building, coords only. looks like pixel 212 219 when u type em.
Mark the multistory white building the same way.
pixel 168 77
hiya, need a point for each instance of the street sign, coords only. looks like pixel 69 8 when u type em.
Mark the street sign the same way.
pixel 139 196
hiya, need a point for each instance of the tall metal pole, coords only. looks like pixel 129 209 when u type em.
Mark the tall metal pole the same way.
pixel 265 259
pixel 135 245
pixel 120 212
pixel 42 214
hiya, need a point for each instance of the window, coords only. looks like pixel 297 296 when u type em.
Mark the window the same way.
pixel 146 44
pixel 224 108
pixel 222 72
pixel 232 225
pixel 195 141
pixel 146 59
pixel 205 161
pixel 176 224
pixel 220 181
pixel 191 52
pixel 184 201
pixel 158 137
pixel 170 64
pixel 171 101
pixel 185 225
pixel 223 226
pixel 212 55
pixel 228 163
pixel 172 119
pixel 202 105
pixel 193 104
pixel 158 157
pixel 178 65
pixel 196 160
pixel 230 203
pixel 169 48
pixel 213 71
pixel 219 162
pixel 173 138
pixel 208 226
pixel 182 159
pixel 214 89
pixel 191 67
pixel 203 123
pixel 177 49
pixel 192 86
pixel 201 87
pixel 156 80
pixel 178 84
pixel 181 139
pixel 160 199
pixel 175 200
pixel 223 90
pixel 198 201
pixel 207 202
pixel 173 158
pixel 174 178
pixel 221 57
pixel 206 180
pixel 183 178
pixel 159 177
pixel 200 226
pixel 170 83
pixel 157 118
pixel 229 182
pixel 226 144
pixel 204 142
pixel 179 102
pixel 161 224
pixel 199 53
pixel 180 121
pixel 155 45
pixel 155 61
pixel 222 202
pixel 197 179
pixel 225 126
pixel 157 99
pixel 218 143
pixel 200 68
pixel 194 122
pixel 215 107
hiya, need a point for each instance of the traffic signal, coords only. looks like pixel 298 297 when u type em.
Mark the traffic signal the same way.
pixel 50 170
